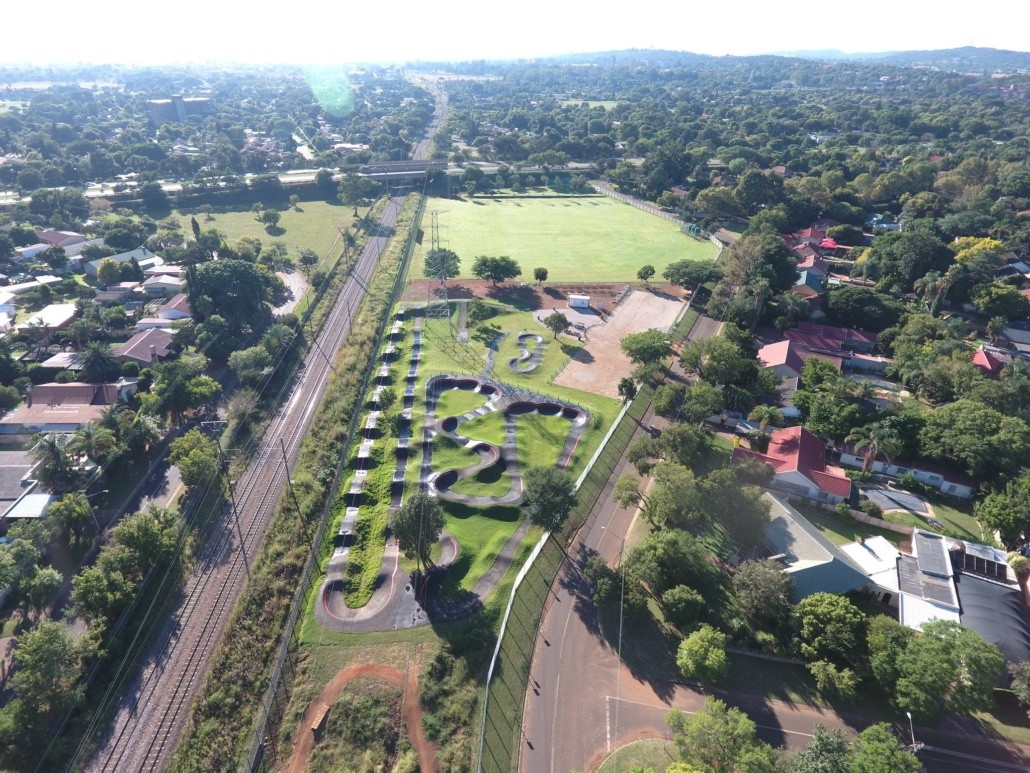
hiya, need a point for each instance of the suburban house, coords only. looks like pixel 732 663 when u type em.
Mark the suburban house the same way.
pixel 56 316
pixel 878 559
pixel 797 459
pixel 178 307
pixel 968 583
pixel 814 563
pixel 946 481
pixel 64 361
pixel 116 293
pixel 162 284
pixel 146 347
pixel 166 269
pixel 60 238
pixel 63 407
pixel 787 358
pixel 990 360
pixel 834 339
pixel 39 281
pixel 144 257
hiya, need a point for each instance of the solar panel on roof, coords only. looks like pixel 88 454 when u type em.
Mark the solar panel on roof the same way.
pixel 932 555
pixel 985 567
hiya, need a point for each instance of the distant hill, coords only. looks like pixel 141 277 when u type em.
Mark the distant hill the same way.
pixel 965 59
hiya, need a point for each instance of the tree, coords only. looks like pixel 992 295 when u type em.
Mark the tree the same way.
pixel 1020 686
pixel 700 401
pixel 548 496
pixel 109 272
pixel 179 386
pixel 40 589
pixel 49 666
pixel 682 605
pixel 95 442
pixel 765 415
pixel 829 628
pixel 886 640
pixel 646 347
pixel 627 389
pixel 975 437
pixel 717 360
pixel 99 363
pixel 540 275
pixel 442 264
pixel 495 268
pixel 948 668
pixel 999 299
pixel 877 750
pixel 828 752
pixel 100 593
pixel 196 458
pixel 833 680
pixel 1007 509
pixel 55 470
pixel 719 739
pixel 702 655
pixel 683 444
pixel 71 514
pixel 691 273
pixel 995 327
pixel 308 258
pixel 863 308
pixel 874 439
pixel 236 290
pixel 556 322
pixel 645 273
pixel 417 525
pixel 763 591
pixel 251 365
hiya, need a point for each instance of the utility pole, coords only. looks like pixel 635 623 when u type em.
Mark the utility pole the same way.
pixel 224 467
pixel 289 480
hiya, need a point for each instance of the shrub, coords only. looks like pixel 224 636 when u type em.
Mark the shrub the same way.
pixel 682 605
pixel 702 655
pixel 842 512
pixel 870 508
pixel 840 682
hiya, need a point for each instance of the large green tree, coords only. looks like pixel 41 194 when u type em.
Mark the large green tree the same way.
pixel 829 627
pixel 235 289
pixel 417 526
pixel 702 655
pixel 646 347
pixel 548 496
pixel 495 268
pixel 979 439
pixel 720 739
pixel 948 668
pixel 1007 509
pixel 442 264
pixel 763 591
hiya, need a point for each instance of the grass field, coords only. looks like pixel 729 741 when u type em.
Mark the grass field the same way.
pixel 649 753
pixel 576 239
pixel 313 226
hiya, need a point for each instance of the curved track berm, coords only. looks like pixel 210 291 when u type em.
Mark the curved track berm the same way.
pixel 396 602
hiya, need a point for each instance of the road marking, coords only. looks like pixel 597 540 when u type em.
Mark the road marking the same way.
pixel 663 707
pixel 608 721
pixel 557 683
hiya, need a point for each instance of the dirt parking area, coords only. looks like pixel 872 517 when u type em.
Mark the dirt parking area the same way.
pixel 600 364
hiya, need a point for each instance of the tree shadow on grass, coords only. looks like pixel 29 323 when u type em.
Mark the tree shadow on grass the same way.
pixel 274 230
pixel 524 297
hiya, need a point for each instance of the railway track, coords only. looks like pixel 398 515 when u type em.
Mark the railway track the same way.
pixel 152 714
pixel 153 711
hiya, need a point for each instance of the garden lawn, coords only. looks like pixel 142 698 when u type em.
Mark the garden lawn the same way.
pixel 313 226
pixel 456 402
pixel 841 533
pixel 577 239
pixel 649 753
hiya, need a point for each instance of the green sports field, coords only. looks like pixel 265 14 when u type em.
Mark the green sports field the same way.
pixel 577 239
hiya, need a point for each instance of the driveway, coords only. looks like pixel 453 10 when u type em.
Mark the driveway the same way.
pixel 889 499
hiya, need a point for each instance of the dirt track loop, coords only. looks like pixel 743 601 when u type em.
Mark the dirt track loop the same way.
pixel 411 710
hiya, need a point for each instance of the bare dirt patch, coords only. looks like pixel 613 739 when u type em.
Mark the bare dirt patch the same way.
pixel 599 365
pixel 528 296
pixel 315 715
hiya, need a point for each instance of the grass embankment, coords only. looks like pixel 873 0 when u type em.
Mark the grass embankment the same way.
pixel 649 753
pixel 224 711
pixel 563 234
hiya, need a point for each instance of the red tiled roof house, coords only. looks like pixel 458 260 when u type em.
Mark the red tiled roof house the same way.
pixel 797 459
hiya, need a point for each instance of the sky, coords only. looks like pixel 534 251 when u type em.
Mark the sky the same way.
pixel 351 31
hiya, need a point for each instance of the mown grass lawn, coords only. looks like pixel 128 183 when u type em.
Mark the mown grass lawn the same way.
pixel 313 226
pixel 649 753
pixel 842 533
pixel 590 239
